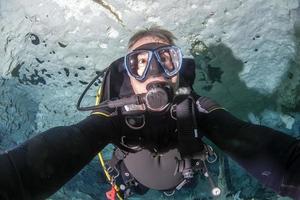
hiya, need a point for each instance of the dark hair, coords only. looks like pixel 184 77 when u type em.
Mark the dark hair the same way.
pixel 153 31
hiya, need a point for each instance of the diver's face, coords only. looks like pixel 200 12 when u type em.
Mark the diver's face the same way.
pixel 140 87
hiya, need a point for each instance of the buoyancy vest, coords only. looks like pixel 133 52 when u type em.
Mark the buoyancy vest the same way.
pixel 151 169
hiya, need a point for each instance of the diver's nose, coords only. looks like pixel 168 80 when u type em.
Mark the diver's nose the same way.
pixel 155 68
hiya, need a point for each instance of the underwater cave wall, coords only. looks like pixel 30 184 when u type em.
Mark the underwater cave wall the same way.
pixel 247 54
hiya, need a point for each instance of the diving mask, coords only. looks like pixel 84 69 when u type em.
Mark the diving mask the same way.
pixel 153 59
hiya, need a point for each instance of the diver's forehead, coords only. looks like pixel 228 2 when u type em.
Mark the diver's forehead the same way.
pixel 150 46
pixel 148 40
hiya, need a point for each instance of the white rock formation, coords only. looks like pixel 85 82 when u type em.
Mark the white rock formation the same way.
pixel 49 50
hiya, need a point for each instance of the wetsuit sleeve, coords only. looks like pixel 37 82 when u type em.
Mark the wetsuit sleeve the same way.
pixel 269 155
pixel 40 166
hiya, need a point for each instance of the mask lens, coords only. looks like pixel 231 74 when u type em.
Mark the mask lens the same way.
pixel 137 63
pixel 170 58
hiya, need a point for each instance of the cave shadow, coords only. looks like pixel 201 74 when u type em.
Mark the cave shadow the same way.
pixel 218 78
pixel 289 91
pixel 222 83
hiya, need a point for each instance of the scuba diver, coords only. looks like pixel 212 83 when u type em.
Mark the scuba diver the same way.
pixel 148 109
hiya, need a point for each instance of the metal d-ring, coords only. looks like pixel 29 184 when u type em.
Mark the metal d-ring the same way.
pixel 169 194
pixel 110 170
pixel 173 111
pixel 212 156
pixel 137 147
pixel 135 127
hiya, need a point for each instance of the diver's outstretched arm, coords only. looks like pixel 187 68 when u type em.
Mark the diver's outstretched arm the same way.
pixel 269 155
pixel 40 166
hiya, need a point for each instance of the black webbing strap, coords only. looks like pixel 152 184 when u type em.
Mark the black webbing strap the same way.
pixel 117 157
pixel 189 140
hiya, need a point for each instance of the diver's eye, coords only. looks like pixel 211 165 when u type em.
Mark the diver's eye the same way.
pixel 165 56
pixel 142 61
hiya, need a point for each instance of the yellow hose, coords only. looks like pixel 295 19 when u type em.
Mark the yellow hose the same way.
pixel 100 156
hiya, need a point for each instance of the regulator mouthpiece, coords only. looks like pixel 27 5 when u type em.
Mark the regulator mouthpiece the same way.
pixel 158 97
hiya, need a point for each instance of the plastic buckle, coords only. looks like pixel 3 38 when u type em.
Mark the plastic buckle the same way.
pixel 130 182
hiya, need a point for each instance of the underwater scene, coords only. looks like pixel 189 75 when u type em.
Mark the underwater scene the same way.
pixel 246 54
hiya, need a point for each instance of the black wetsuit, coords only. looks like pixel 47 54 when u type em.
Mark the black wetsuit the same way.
pixel 40 166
